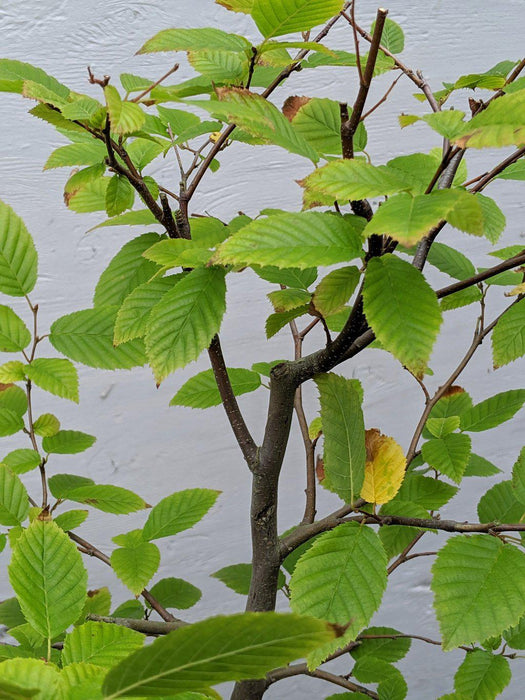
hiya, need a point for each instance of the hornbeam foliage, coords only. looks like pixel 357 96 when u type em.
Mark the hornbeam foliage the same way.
pixel 363 267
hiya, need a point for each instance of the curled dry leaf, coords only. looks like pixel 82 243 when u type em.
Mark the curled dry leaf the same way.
pixel 384 469
pixel 293 104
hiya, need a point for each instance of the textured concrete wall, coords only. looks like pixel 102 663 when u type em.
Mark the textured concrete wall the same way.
pixel 143 444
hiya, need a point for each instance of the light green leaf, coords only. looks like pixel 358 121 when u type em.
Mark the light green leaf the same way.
pixel 479 466
pixel 14 335
pixel 479 588
pixel 14 502
pixel 56 375
pixel 22 460
pixel 500 504
pixel 20 677
pixel 14 399
pixel 91 153
pixel 342 577
pixel 168 253
pixel 48 577
pixel 344 435
pixel 515 636
pixel 98 602
pixel 120 195
pixel 10 613
pixel 71 519
pixel 143 151
pixel 275 322
pixel 130 608
pixel 389 650
pixel 392 37
pixel 493 218
pixel 82 109
pixel 18 72
pixel 133 315
pixel 178 512
pixel 508 337
pixel 238 578
pixel 61 484
pixel 175 593
pixel 136 563
pixel 127 270
pixel 46 425
pixel 448 454
pixel 450 261
pixel 201 390
pixel 140 217
pixel 13 371
pixel 220 66
pixel 125 117
pixel 440 427
pixel 83 177
pixel 237 647
pixel 290 277
pixel 10 422
pixel 18 258
pixel 134 83
pixel 278 17
pixel 515 171
pixel 202 38
pixel 482 675
pixel 87 336
pixel 518 477
pixel 265 368
pixel 295 240
pixel 108 498
pixel 334 290
pixel 287 299
pixel 397 296
pixel 493 411
pixel 184 322
pixel 431 494
pixel 500 124
pixel 237 5
pixel 68 442
pixel 100 644
pixel 90 197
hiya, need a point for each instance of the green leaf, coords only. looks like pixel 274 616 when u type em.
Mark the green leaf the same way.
pixel 126 271
pixel 482 675
pixel 515 636
pixel 479 588
pixel 493 411
pixel 500 504
pixel 120 195
pixel 450 261
pixel 14 399
pixel 275 322
pixel 479 466
pixel 515 171
pixel 448 454
pixel 500 124
pixel 202 38
pixel 68 442
pixel 19 678
pixel 143 151
pixel 518 477
pixel 18 72
pixel 108 498
pixel 493 218
pixel 125 117
pixel 136 564
pixel 397 296
pixel 82 109
pixel 238 578
pixel 178 512
pixel 134 83
pixel 90 197
pixel 18 258
pixel 237 647
pixel 87 336
pixel 290 277
pixel 440 427
pixel 389 650
pixel 184 322
pixel 140 217
pixel 431 494
pixel 58 376
pixel 61 484
pixel 334 290
pixel 201 391
pixel 13 371
pixel 71 519
pixel 10 422
pixel 278 17
pixel 22 460
pixel 342 577
pixel 10 613
pixel 392 37
pixel 100 644
pixel 464 297
pixel 133 315
pixel 48 577
pixel 295 240
pixel 91 153
pixel 508 337
pixel 14 335
pixel 344 435
pixel 130 608
pixel 14 502
pixel 287 299
pixel 175 593
pixel 46 425
pixel 237 5
pixel 220 66
pixel 265 368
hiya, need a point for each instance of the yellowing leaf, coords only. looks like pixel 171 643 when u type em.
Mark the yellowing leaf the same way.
pixel 384 468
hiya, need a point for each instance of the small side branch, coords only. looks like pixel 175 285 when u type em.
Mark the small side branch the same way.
pixel 151 628
pixel 302 670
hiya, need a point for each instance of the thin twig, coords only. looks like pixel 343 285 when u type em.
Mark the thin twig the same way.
pixel 154 85
pixel 404 556
pixel 151 628
pixel 302 670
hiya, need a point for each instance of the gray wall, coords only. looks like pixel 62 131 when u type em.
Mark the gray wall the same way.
pixel 144 445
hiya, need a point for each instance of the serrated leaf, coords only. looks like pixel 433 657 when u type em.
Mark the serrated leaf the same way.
pixel 18 258
pixel 479 466
pixel 14 335
pixel 175 593
pixel 315 428
pixel 334 290
pixel 184 322
pixel 100 644
pixel 500 124
pixel 226 67
pixel 439 427
pixel 515 635
pixel 56 375
pixel 130 608
pixel 120 195
pixel 508 337
pixel 136 565
pixel 13 371
pixel 448 454
pixel 342 577
pixel 395 295
pixel 389 650
pixel 14 502
pixel 493 218
pixel 87 336
pixel 18 72
pixel 500 504
pixel 295 240
pixel 10 422
pixel 48 577
pixel 431 494
pixel 479 588
pixel 493 411
pixel 278 17
pixel 237 647
pixel 287 299
pixel 90 197
pixel 68 442
pixel 275 322
pixel 450 261
pixel 201 390
pixel 290 277
pixel 195 39
pixel 238 577
pixel 482 675
pixel 515 171
pixel 61 484
pixel 133 315
pixel 384 468
pixel 344 435
pixel 11 614
pixel 125 117
pixel 14 399
pixel 20 677
pixel 82 109
pixel 91 153
pixel 392 37
pixel 107 498
pixel 178 512
pixel 22 460
pixel 71 519
pixel 140 217
pixel 46 425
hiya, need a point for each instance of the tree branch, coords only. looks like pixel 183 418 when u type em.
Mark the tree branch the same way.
pixel 150 628
pixel 302 670
pixel 508 264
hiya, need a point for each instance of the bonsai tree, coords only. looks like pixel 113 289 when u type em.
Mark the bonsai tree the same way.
pixel 348 271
